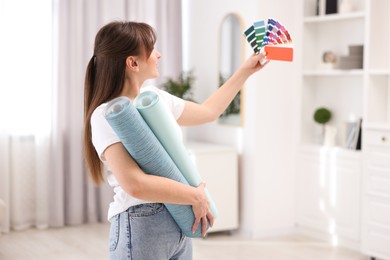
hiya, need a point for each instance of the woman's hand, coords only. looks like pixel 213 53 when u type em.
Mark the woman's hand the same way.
pixel 202 211
pixel 255 62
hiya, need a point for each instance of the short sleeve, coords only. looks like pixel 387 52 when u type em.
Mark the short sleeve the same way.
pixel 102 134
pixel 175 104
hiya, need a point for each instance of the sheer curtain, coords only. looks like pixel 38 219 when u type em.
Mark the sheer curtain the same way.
pixel 25 91
pixel 43 181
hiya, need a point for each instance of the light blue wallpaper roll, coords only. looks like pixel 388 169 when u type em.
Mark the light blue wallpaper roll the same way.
pixel 161 121
pixel 146 150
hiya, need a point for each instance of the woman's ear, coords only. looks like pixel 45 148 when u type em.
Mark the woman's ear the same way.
pixel 132 63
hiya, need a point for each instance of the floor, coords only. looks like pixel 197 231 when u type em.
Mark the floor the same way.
pixel 90 242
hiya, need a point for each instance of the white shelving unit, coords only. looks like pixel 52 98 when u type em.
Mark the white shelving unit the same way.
pixel 323 86
pixel 376 141
pixel 364 93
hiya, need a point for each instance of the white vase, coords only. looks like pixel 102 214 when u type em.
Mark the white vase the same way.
pixel 330 135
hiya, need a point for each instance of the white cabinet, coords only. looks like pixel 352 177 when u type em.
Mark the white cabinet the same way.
pixel 376 194
pixel 218 167
pixel 328 193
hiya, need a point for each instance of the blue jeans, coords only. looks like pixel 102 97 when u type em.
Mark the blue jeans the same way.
pixel 147 231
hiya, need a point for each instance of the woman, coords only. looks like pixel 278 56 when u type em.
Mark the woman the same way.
pixel 141 228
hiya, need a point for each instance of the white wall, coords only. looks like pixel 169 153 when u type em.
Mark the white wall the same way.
pixel 268 138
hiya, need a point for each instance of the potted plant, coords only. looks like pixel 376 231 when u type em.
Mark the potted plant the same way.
pixel 322 116
pixel 181 86
pixel 234 106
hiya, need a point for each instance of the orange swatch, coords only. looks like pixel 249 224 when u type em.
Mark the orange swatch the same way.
pixel 279 53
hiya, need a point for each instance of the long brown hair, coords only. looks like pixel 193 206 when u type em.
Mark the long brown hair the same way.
pixel 105 75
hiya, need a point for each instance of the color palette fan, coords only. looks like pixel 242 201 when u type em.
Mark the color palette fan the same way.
pixel 272 37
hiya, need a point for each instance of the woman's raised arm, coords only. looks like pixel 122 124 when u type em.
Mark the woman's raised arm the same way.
pixel 215 105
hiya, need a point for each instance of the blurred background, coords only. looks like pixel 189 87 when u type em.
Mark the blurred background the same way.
pixel 303 150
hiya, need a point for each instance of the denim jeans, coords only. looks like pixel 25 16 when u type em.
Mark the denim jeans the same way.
pixel 147 232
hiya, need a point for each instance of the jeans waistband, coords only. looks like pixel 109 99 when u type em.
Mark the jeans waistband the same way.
pixel 145 208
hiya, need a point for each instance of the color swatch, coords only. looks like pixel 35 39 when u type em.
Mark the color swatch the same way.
pixel 274 52
pixel 270 33
pixel 251 38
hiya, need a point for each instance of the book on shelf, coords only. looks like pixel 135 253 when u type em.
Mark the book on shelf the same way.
pixel 353 135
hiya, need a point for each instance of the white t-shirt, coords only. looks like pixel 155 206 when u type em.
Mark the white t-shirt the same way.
pixel 103 136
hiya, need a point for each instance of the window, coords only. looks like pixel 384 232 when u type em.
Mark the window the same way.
pixel 25 66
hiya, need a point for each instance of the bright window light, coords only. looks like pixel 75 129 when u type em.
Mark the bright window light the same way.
pixel 25 66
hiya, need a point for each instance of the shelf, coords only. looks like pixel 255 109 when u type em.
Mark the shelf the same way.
pixel 317 148
pixel 376 126
pixel 332 72
pixel 379 72
pixel 334 17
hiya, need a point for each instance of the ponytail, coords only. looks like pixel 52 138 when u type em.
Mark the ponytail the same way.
pixel 94 164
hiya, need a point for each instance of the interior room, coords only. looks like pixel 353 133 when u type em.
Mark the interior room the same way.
pixel 298 164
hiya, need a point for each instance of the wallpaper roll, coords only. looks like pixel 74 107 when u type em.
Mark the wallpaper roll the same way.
pixel 161 121
pixel 146 150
